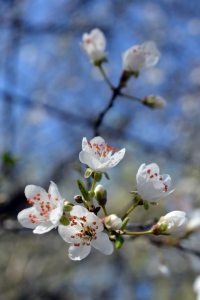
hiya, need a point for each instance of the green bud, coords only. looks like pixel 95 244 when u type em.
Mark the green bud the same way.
pixel 113 222
pixel 100 194
pixel 64 221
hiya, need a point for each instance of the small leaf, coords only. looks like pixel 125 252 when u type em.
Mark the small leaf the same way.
pixel 106 175
pixel 124 223
pixel 82 189
pixel 88 173
pixel 118 241
pixel 146 205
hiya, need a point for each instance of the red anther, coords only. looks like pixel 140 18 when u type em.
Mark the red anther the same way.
pixel 94 223
pixel 35 198
pixel 165 188
pixel 38 199
pixel 97 227
pixel 49 195
pixel 94 237
pixel 160 178
pixel 156 174
pixel 72 236
pixel 83 243
pixel 38 195
pixel 134 50
pixel 36 221
pixel 77 245
pixel 88 244
pixel 149 171
pixel 30 215
pixel 56 199
pixel 151 176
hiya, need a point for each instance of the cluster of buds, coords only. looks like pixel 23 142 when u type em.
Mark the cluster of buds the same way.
pixel 80 225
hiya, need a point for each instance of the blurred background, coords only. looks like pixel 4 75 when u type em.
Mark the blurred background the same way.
pixel 50 98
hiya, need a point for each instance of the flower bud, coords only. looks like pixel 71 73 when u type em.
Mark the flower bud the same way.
pixel 78 199
pixel 113 222
pixel 100 194
pixel 170 223
pixel 154 101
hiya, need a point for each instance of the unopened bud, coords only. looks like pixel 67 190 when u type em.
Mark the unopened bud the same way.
pixel 100 194
pixel 78 199
pixel 113 222
pixel 154 101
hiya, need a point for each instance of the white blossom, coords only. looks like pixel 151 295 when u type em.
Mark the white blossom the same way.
pixel 94 44
pixel 84 231
pixel 98 155
pixel 174 221
pixel 196 287
pixel 140 58
pixel 194 221
pixel 113 222
pixel 46 210
pixel 152 186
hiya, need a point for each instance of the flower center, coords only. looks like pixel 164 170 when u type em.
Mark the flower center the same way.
pixel 87 230
pixel 156 176
pixel 102 150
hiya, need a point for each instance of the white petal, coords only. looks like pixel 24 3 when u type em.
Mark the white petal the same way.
pixel 54 193
pixel 23 217
pixel 103 244
pixel 79 252
pixel 55 215
pixel 153 167
pixel 98 38
pixel 98 140
pixel 93 218
pixel 79 211
pixel 32 191
pixel 85 144
pixel 44 227
pixel 90 160
pixel 68 233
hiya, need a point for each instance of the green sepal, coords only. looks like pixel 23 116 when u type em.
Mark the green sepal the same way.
pixel 118 241
pixel 153 203
pixel 162 227
pixel 64 221
pixel 137 199
pixel 124 223
pixel 88 173
pixel 92 194
pixel 135 74
pixel 133 192
pixel 146 205
pixel 67 208
pixel 106 175
pixel 82 189
pixel 97 176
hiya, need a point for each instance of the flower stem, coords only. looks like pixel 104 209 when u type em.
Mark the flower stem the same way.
pixel 105 77
pixel 129 211
pixel 138 233
pixel 130 97
pixel 104 210
pixel 93 186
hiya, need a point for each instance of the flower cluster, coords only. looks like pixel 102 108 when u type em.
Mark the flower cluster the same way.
pixel 80 225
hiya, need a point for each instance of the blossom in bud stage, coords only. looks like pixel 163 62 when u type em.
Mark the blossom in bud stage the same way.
pixel 98 155
pixel 140 58
pixel 113 222
pixel 152 186
pixel 154 101
pixel 194 221
pixel 196 287
pixel 94 44
pixel 46 210
pixel 172 222
pixel 84 231
pixel 100 194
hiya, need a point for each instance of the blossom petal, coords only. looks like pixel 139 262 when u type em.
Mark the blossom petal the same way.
pixel 85 146
pixel 23 217
pixel 54 193
pixel 55 215
pixel 90 160
pixel 79 211
pixel 31 192
pixel 103 244
pixel 79 252
pixel 153 167
pixel 91 219
pixel 68 233
pixel 98 38
pixel 44 227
